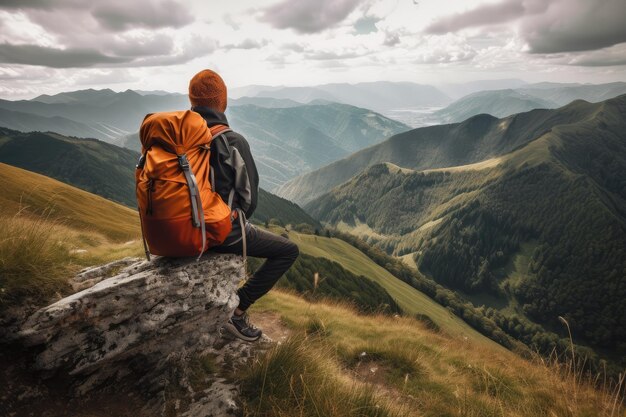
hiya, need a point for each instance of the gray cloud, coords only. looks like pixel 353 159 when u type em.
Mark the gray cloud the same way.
pixel 127 55
pixel 329 55
pixel 549 27
pixel 607 57
pixel 482 15
pixel 247 44
pixel 308 16
pixel 391 39
pixel 123 15
pixel 56 58
pixel 194 48
pixel 576 25
pixel 42 4
pixel 159 44
pixel 112 15
pixel 295 47
pixel 599 62
pixel 446 57
pixel 230 21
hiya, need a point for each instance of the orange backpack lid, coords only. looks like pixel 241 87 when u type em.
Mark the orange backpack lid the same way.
pixel 175 131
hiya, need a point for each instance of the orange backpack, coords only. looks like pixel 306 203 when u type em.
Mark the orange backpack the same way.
pixel 180 213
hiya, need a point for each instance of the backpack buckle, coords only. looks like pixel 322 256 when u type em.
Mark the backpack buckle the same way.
pixel 183 162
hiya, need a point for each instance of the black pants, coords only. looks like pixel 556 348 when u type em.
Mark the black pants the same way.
pixel 280 252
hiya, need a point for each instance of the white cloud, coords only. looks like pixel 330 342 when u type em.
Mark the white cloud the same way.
pixel 302 43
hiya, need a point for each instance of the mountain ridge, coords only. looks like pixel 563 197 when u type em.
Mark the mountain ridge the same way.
pixel 473 140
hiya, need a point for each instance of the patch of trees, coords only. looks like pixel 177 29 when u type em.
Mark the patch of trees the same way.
pixel 578 268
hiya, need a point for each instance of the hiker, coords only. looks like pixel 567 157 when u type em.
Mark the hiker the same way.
pixel 237 182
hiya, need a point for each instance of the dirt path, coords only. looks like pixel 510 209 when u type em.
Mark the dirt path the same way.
pixel 271 324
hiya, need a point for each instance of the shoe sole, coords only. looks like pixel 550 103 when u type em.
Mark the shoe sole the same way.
pixel 233 330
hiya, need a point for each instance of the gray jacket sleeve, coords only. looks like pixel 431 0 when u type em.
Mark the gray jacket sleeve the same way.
pixel 246 175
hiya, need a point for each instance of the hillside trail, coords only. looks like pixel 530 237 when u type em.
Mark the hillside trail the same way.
pixel 272 325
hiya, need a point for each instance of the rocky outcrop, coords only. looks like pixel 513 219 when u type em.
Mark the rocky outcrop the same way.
pixel 146 321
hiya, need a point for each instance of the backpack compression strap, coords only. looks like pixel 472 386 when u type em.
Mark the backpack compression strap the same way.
pixel 197 212
pixel 140 165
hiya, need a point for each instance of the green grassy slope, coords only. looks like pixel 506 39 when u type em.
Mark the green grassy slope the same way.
pixel 37 194
pixel 408 298
pixel 338 363
pixel 50 230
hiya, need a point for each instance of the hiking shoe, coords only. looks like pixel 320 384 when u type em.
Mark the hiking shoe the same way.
pixel 240 326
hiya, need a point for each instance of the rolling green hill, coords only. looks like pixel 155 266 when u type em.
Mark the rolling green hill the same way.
pixel 86 219
pixel 271 207
pixel 558 200
pixel 89 164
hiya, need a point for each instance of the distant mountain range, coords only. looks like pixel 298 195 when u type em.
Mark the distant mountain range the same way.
pixel 108 170
pixel 288 138
pixel 505 102
pixel 106 113
pixel 499 103
pixel 526 214
pixel 378 96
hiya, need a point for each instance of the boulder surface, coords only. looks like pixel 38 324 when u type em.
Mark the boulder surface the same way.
pixel 145 324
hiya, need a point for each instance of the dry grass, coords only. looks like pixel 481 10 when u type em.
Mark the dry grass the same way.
pixel 50 230
pixel 416 371
pixel 33 259
pixel 38 254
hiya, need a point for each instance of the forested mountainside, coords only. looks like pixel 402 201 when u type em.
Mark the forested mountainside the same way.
pixel 539 231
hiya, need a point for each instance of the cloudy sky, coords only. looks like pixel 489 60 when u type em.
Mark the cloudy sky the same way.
pixel 48 46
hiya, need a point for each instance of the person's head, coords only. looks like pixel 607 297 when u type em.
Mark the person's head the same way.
pixel 207 89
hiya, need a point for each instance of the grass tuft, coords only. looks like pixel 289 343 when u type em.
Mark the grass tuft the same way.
pixel 33 259
pixel 294 378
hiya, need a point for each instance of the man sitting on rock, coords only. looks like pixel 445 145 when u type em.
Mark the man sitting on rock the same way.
pixel 237 182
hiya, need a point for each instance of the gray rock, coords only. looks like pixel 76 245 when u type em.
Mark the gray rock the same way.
pixel 150 309
pixel 143 327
